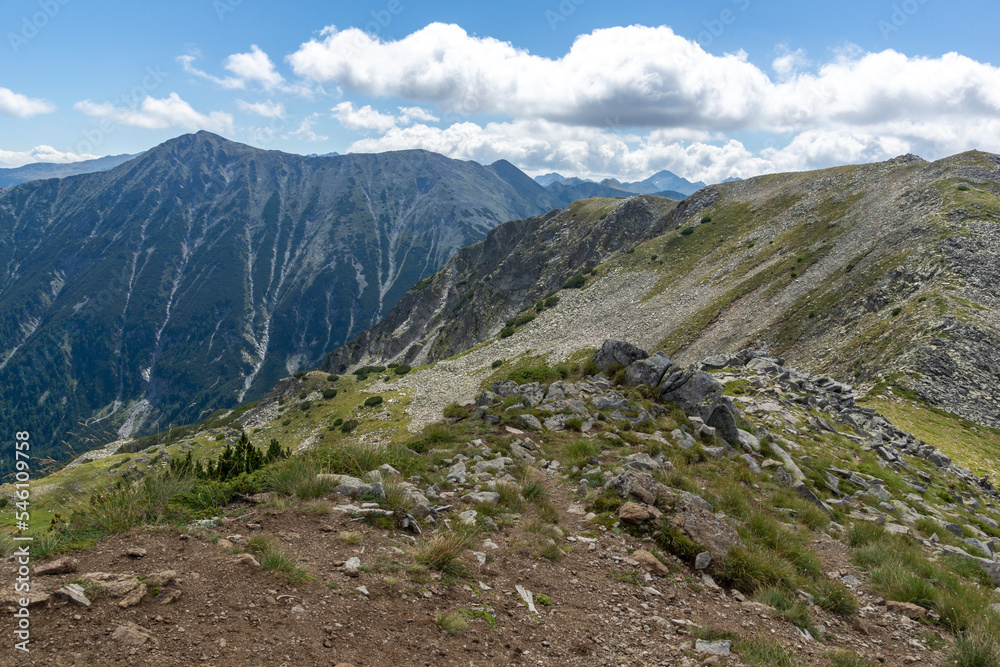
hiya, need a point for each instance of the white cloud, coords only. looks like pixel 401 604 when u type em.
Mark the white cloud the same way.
pixel 187 62
pixel 659 80
pixel 157 114
pixel 267 109
pixel 540 146
pixel 305 131
pixel 365 118
pixel 22 106
pixel 254 66
pixel 408 115
pixel 10 159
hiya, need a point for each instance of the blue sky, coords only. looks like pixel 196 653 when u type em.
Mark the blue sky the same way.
pixel 707 89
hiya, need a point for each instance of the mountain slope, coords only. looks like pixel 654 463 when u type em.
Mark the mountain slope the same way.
pixel 885 273
pixel 42 170
pixel 517 264
pixel 196 275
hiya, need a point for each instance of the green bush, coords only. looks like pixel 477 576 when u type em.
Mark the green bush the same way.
pixel 497 364
pixel 687 231
pixel 576 282
pixel 329 393
pixel 372 401
pixel 349 425
pixel 551 301
pixel 507 332
pixel 300 374
pixel 896 311
pixel 332 378
pixel 706 219
pixel 402 369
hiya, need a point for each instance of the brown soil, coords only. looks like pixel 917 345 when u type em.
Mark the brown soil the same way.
pixel 235 614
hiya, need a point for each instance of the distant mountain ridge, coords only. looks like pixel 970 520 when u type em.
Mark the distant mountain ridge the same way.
pixel 42 170
pixel 198 274
pixel 662 183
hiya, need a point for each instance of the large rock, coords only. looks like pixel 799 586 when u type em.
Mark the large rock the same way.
pixel 64 565
pixel 634 513
pixel 723 420
pixel 704 528
pixel 648 371
pixel 650 563
pixel 641 486
pixel 694 392
pixel 615 351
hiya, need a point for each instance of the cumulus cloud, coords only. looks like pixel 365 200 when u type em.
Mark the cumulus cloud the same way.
pixel 267 109
pixel 305 131
pixel 368 119
pixel 661 80
pixel 22 106
pixel 364 118
pixel 253 67
pixel 10 159
pixel 158 114
pixel 540 146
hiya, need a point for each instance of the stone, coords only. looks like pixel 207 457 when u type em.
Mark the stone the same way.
pixel 65 565
pixel 639 485
pixel 650 563
pixel 703 528
pixel 906 609
pixel 642 462
pixel 352 566
pixel 748 441
pixel 133 597
pixel 648 371
pixel 703 560
pixel 615 351
pixel 721 647
pixel 483 497
pixel 73 593
pixel 723 420
pixel 247 559
pixel 131 634
pixel 161 579
pixel 695 392
pixel 468 517
pixel 136 552
pixel 495 466
pixel 168 596
pixel 531 422
pixel 634 513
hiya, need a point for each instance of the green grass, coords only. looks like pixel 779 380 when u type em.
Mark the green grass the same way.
pixel 441 552
pixel 765 651
pixel 451 623
pixel 271 557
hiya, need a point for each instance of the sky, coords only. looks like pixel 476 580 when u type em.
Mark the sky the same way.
pixel 623 89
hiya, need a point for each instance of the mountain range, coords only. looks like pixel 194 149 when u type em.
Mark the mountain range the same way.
pixel 881 273
pixel 663 183
pixel 196 275
pixel 42 170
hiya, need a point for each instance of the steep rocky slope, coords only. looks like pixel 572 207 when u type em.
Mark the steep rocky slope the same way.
pixel 877 273
pixel 196 275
